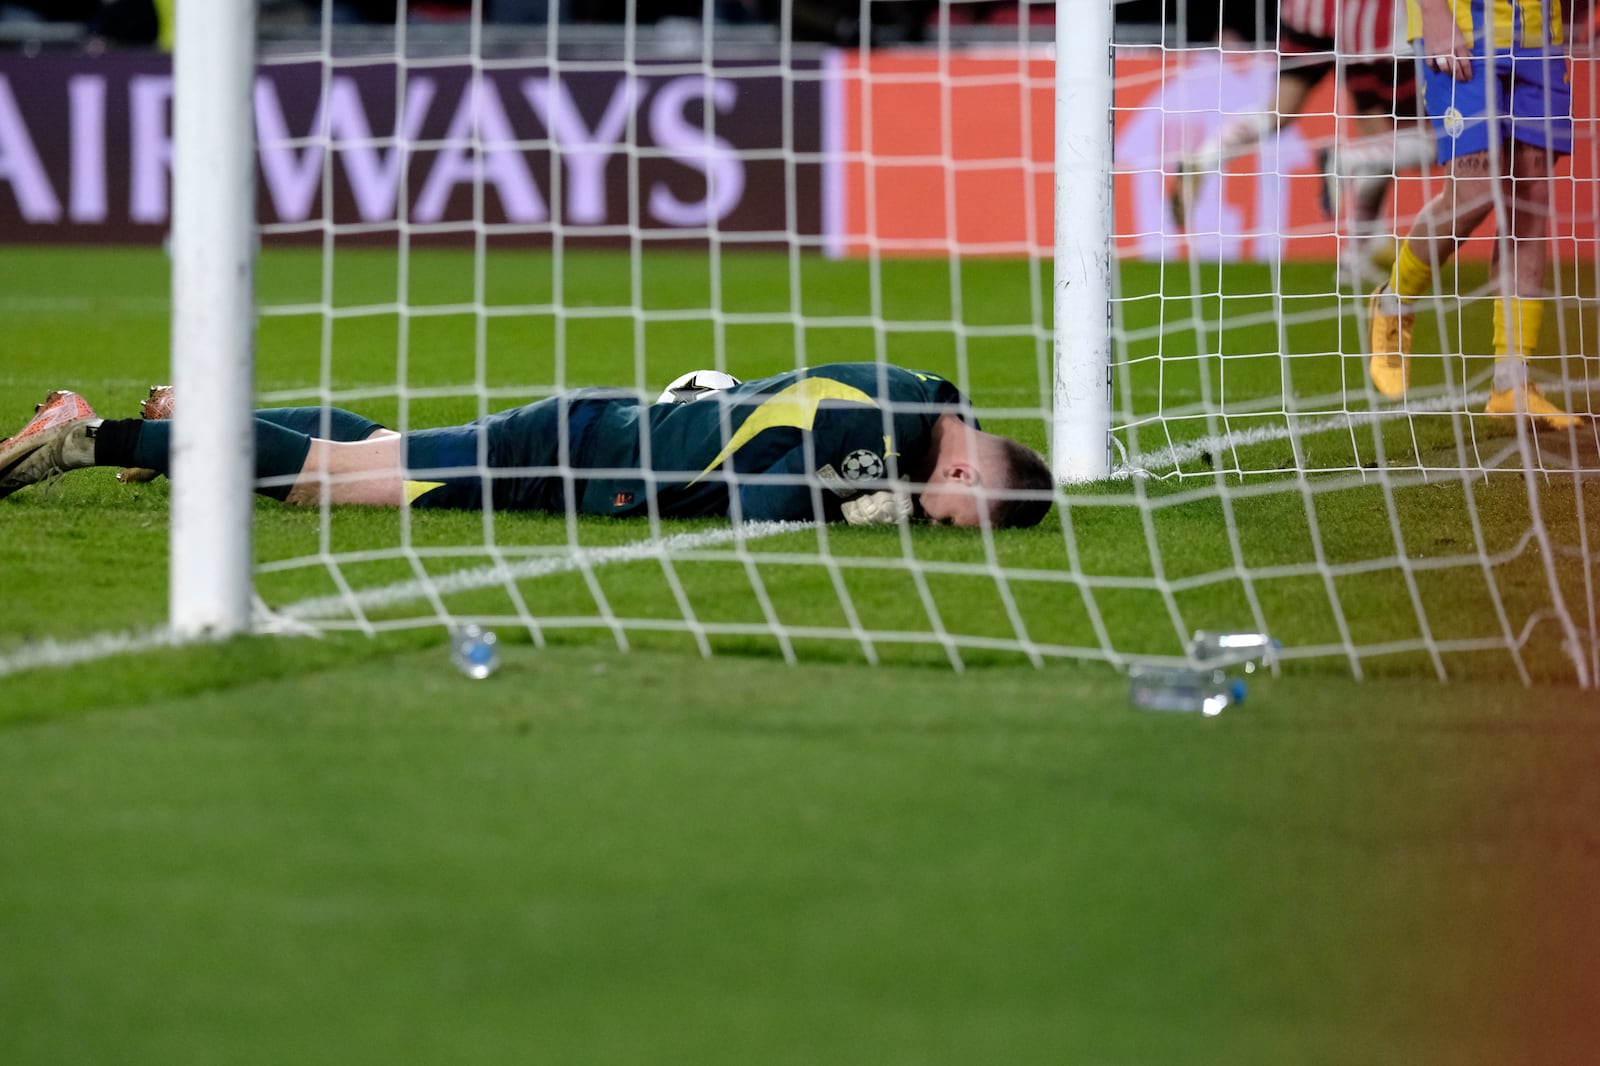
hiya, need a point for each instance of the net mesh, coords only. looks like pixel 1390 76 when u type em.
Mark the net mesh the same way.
pixel 458 221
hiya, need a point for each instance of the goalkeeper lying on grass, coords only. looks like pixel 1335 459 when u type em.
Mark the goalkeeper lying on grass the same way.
pixel 858 442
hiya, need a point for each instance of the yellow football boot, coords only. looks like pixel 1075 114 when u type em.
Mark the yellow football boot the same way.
pixel 1390 365
pixel 1528 400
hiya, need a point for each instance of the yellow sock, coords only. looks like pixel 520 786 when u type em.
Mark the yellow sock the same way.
pixel 1527 316
pixel 1411 276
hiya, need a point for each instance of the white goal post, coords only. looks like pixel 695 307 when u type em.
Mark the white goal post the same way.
pixel 213 317
pixel 1084 69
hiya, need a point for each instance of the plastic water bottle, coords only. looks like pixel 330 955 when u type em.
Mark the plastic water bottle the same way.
pixel 472 650
pixel 1182 688
pixel 1211 648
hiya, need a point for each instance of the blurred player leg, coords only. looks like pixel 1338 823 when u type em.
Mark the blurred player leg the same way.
pixel 1240 136
pixel 1388 141
pixel 1519 314
pixel 1464 200
pixel 1366 171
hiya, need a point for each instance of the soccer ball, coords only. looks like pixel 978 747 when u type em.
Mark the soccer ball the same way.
pixel 695 384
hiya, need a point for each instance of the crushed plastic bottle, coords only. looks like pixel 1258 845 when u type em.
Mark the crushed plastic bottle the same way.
pixel 1207 691
pixel 1217 649
pixel 472 649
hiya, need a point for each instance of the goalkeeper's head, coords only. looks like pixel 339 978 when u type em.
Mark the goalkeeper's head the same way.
pixel 973 470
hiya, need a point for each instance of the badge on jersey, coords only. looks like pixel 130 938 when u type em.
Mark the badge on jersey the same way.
pixel 862 465
pixel 835 484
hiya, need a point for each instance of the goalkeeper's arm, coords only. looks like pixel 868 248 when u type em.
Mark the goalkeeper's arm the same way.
pixel 878 508
pixel 784 493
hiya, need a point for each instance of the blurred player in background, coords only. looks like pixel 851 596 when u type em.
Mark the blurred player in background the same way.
pixel 1353 39
pixel 1496 87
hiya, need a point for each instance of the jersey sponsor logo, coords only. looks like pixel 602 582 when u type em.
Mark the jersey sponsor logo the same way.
pixel 863 465
pixel 835 484
pixel 795 406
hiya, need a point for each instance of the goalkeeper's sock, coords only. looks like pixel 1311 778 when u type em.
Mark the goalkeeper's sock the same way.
pixel 280 452
pixel 115 440
pixel 1411 277
pixel 341 425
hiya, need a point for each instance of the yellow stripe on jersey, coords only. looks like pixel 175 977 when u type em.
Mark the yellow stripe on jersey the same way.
pixel 794 406
pixel 1510 23
pixel 417 488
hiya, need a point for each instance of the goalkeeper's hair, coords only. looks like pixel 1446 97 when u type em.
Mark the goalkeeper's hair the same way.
pixel 1026 471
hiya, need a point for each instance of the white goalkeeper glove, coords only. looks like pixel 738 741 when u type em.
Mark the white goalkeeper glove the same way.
pixel 877 508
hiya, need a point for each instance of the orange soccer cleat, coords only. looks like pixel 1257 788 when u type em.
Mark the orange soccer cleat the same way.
pixel 58 407
pixel 54 441
pixel 158 405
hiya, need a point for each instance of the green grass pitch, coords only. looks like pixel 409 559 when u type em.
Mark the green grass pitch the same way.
pixel 339 850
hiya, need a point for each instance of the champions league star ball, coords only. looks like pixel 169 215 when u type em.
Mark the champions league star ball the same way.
pixel 695 384
pixel 862 465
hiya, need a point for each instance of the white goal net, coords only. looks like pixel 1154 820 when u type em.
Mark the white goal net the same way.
pixel 458 217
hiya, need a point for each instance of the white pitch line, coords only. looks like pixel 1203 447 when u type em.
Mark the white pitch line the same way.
pixel 51 652
pixel 1173 456
pixel 479 577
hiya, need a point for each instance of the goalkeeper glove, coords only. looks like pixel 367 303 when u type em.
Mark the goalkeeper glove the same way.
pixel 877 508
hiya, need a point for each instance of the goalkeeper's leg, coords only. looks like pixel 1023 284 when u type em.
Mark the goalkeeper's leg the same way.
pixel 450 464
pixel 290 466
pixel 326 423
pixel 141 444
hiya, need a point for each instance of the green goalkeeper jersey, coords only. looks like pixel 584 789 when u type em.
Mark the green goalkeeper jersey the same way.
pixel 793 446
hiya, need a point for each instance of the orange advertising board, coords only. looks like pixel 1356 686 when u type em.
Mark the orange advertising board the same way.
pixel 955 153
